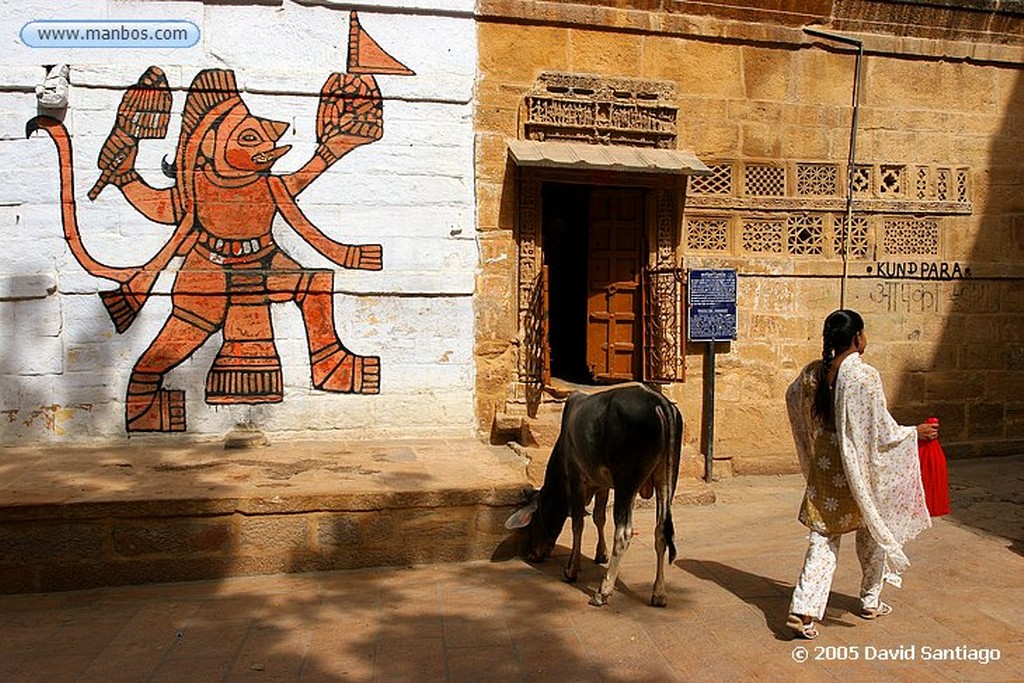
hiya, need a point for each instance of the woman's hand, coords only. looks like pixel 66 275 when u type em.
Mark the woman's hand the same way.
pixel 927 431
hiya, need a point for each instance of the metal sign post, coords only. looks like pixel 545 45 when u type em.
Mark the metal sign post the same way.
pixel 710 317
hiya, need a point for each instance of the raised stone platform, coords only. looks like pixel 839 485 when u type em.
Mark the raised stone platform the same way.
pixel 81 518
pixel 88 517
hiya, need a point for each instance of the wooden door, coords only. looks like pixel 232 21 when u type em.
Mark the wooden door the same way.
pixel 614 292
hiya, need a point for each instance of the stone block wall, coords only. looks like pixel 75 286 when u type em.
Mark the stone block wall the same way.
pixel 937 126
pixel 130 543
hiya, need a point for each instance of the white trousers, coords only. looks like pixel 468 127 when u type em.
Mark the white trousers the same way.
pixel 812 588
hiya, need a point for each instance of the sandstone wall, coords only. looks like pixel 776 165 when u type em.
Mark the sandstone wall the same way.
pixel 937 137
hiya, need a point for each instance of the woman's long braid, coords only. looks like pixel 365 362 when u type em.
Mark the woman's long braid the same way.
pixel 836 336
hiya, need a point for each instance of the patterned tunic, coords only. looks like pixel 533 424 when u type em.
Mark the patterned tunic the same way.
pixel 828 507
pixel 864 466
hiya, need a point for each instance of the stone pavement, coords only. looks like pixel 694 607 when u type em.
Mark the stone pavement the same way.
pixel 505 620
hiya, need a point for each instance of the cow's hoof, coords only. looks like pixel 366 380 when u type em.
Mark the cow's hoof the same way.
pixel 659 601
pixel 569 577
pixel 599 600
pixel 601 559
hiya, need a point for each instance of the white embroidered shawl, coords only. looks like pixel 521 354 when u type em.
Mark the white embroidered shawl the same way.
pixel 881 462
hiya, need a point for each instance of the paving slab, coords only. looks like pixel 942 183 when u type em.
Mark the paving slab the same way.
pixel 511 621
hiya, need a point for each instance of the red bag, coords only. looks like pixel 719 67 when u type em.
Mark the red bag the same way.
pixel 934 475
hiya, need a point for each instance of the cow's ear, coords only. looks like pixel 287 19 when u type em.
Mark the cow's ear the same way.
pixel 522 516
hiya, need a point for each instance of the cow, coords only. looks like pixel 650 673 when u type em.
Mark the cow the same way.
pixel 626 438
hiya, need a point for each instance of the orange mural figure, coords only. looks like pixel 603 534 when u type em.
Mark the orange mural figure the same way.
pixel 222 204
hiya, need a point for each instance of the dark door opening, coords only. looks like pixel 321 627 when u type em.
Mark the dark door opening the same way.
pixel 592 241
pixel 565 242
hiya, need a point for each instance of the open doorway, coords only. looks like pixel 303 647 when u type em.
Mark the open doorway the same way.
pixel 565 239
pixel 592 240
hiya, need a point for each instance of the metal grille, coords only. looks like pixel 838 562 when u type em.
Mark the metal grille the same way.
pixel 764 180
pixel 762 236
pixel 663 321
pixel 912 237
pixel 707 234
pixel 817 179
pixel 805 234
pixel 718 182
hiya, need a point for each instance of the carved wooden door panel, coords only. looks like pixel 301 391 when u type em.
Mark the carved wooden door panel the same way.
pixel 614 293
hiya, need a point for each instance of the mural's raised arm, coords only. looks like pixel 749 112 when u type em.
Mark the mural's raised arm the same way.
pixel 144 113
pixel 350 114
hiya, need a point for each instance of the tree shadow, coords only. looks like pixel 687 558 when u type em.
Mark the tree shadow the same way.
pixel 477 621
pixel 590 577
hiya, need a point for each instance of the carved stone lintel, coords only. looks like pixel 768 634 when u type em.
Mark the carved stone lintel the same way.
pixel 601 110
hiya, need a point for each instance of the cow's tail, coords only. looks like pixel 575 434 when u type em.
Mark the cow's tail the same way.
pixel 672 433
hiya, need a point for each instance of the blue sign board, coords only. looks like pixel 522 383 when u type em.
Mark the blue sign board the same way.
pixel 711 305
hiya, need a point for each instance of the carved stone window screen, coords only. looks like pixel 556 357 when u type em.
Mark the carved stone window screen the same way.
pixel 718 182
pixel 764 180
pixel 707 233
pixel 890 180
pixel 817 179
pixel 815 183
pixel 943 185
pixel 763 236
pixel 862 179
pixel 911 237
pixel 805 234
pixel 923 183
pixel 962 194
pixel 860 240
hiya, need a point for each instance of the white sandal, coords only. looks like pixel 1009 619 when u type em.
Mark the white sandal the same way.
pixel 875 612
pixel 806 631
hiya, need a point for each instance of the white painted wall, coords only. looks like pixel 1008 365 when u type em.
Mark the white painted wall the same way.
pixel 64 369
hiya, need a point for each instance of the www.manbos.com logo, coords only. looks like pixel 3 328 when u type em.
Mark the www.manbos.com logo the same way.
pixel 110 33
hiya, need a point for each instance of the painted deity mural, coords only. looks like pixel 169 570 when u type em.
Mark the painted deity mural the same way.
pixel 223 204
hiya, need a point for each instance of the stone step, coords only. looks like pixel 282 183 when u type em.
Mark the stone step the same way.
pixel 89 517
pixel 84 518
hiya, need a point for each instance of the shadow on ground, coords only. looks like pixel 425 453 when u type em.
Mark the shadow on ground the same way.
pixel 987 495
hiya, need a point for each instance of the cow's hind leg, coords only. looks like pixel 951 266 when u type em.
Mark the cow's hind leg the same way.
pixel 623 516
pixel 663 533
pixel 600 516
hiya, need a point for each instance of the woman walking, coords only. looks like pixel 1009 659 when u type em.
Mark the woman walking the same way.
pixel 862 473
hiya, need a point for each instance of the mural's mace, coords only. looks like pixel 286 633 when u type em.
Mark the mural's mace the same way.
pixel 222 204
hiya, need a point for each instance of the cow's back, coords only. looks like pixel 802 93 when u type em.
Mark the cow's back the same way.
pixel 621 427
